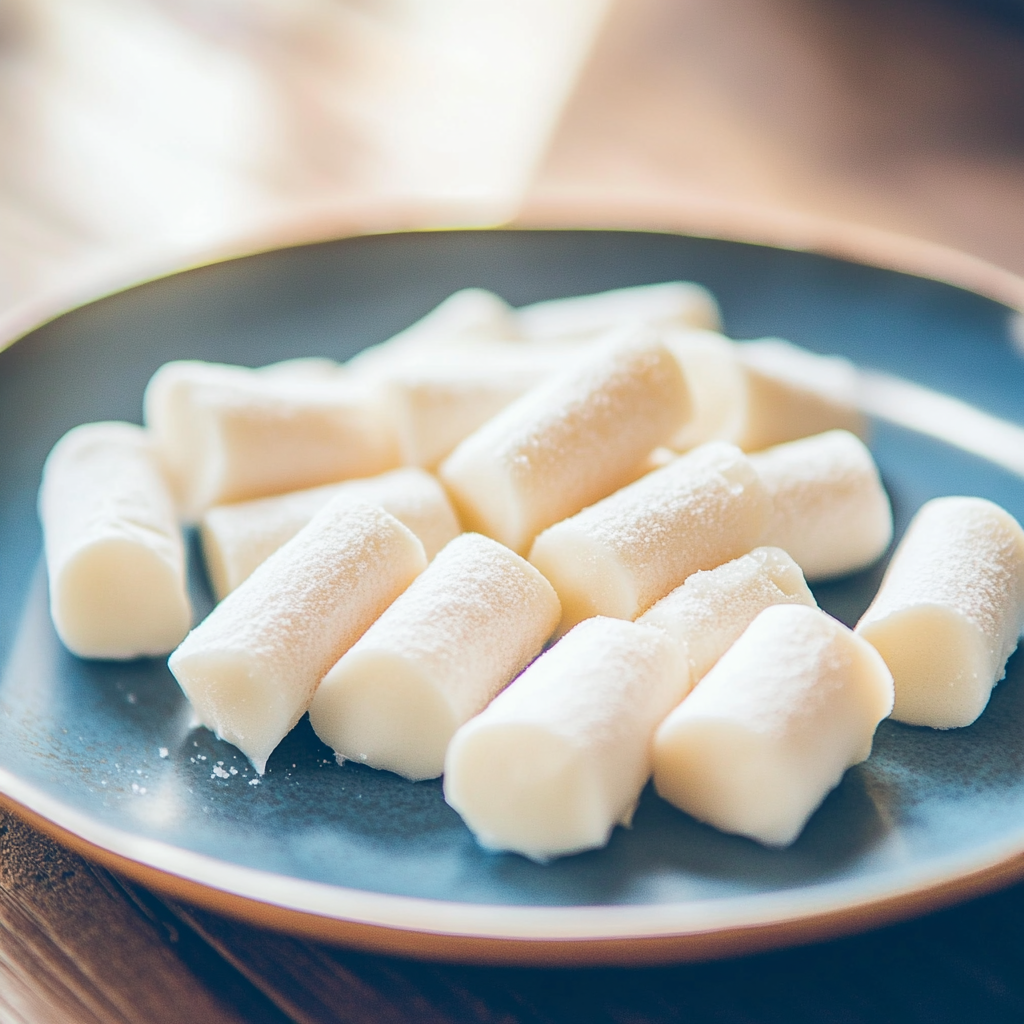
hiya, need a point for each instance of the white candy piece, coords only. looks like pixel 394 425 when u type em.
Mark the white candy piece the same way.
pixel 829 508
pixel 718 386
pixel 792 393
pixel 114 552
pixel 568 442
pixel 228 437
pixel 465 318
pixel 671 304
pixel 561 756
pixel 251 667
pixel 437 403
pixel 709 612
pixel 237 538
pixel 771 729
pixel 622 554
pixel 465 628
pixel 950 610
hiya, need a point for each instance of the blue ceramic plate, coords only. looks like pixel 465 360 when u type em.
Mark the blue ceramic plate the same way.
pixel 103 755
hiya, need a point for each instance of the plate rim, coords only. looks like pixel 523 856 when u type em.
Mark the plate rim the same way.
pixel 408 926
pixel 513 935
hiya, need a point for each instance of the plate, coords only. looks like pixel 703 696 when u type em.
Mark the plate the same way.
pixel 103 754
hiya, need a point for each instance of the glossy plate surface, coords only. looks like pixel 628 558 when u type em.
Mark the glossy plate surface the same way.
pixel 104 752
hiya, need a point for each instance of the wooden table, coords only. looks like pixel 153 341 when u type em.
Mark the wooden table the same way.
pixel 902 115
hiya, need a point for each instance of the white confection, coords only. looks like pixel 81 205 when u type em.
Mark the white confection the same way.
pixel 671 304
pixel 950 610
pixel 792 393
pixel 619 556
pixel 467 626
pixel 230 436
pixel 304 368
pixel 771 729
pixel 561 756
pixel 707 614
pixel 470 316
pixel 251 667
pixel 829 508
pixel 237 538
pixel 568 442
pixel 114 551
pixel 718 386
pixel 437 403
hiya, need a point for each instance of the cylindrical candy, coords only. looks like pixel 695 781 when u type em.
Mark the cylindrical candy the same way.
pixel 829 508
pixel 114 551
pixel 237 538
pixel 568 442
pixel 561 756
pixel 622 554
pixel 709 612
pixel 468 316
pixel 467 626
pixel 950 610
pixel 718 386
pixel 250 668
pixel 670 304
pixel 437 403
pixel 771 729
pixel 791 393
pixel 249 434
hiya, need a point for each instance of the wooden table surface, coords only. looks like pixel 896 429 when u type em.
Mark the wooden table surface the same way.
pixel 137 135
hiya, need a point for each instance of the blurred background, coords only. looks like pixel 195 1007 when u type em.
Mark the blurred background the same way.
pixel 137 135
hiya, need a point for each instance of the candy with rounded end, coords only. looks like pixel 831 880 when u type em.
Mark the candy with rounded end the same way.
pixel 237 538
pixel 245 434
pixel 469 316
pixel 667 305
pixel 568 442
pixel 950 610
pixel 718 385
pixel 709 612
pixel 437 403
pixel 114 552
pixel 829 508
pixel 560 757
pixel 467 626
pixel 771 729
pixel 251 667
pixel 791 393
pixel 622 554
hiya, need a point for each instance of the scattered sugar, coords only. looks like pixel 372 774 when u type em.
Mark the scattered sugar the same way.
pixel 163 752
pixel 219 773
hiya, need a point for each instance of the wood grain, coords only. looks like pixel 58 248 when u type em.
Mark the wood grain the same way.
pixel 75 949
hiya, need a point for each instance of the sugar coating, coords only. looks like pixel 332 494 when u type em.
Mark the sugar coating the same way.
pixel 228 437
pixel 568 442
pixel 251 667
pixel 467 626
pixel 463 320
pixel 709 612
pixel 829 508
pixel 622 554
pixel 237 538
pixel 666 305
pixel 791 393
pixel 950 610
pixel 560 757
pixel 772 727
pixel 114 551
